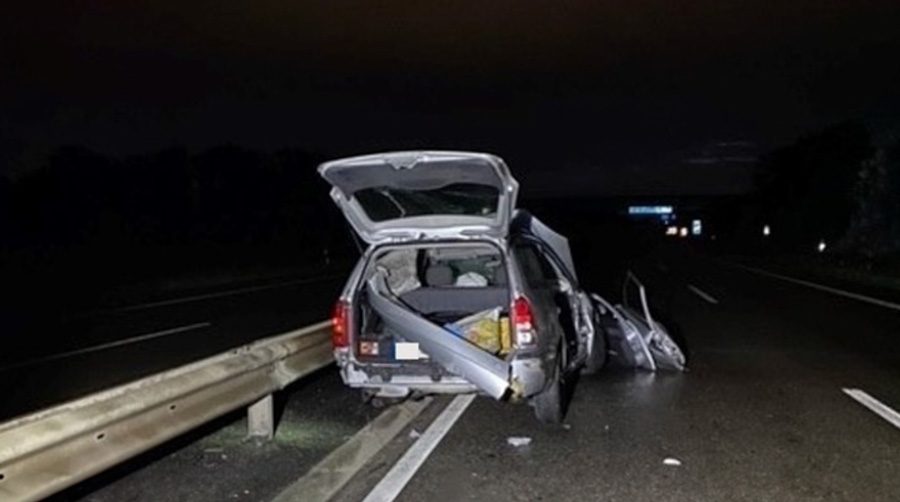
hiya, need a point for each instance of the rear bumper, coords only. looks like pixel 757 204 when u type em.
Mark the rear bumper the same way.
pixel 403 388
pixel 391 381
pixel 527 378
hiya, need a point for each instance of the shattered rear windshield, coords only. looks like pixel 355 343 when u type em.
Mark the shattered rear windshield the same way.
pixel 384 203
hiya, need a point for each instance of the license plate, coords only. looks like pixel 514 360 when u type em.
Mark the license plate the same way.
pixel 408 351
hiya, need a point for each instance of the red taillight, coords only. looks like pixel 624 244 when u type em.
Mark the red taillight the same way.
pixel 340 325
pixel 523 321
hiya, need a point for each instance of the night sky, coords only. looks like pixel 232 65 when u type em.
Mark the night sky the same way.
pixel 579 97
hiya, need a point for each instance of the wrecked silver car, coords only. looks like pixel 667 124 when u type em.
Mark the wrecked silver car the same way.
pixel 458 291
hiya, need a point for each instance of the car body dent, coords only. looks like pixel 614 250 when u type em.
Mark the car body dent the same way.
pixel 557 242
pixel 585 313
pixel 528 376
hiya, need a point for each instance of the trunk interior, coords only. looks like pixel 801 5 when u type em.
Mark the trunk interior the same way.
pixel 462 287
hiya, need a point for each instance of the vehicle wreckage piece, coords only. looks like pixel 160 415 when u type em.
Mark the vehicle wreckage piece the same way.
pixel 643 343
pixel 458 356
pixel 637 340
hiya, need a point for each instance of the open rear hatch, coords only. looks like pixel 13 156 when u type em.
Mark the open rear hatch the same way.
pixel 428 194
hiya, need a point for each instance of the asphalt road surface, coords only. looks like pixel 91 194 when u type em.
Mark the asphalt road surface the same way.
pixel 764 413
pixel 761 415
pixel 66 356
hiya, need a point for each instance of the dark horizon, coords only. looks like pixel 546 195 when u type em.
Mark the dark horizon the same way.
pixel 583 97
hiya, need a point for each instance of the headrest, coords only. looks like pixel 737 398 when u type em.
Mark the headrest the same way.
pixel 438 275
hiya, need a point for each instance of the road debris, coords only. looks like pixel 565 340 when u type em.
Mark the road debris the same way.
pixel 518 441
pixel 414 434
pixel 671 461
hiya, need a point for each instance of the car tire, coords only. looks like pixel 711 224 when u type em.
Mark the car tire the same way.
pixel 548 405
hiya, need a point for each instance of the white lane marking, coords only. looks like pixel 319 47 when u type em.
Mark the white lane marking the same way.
pixel 220 294
pixel 327 477
pixel 834 291
pixel 396 479
pixel 703 294
pixel 882 410
pixel 109 345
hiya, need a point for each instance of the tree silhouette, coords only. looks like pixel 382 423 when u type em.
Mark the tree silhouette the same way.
pixel 806 188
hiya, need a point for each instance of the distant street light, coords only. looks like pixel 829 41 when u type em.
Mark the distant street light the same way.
pixel 683 232
pixel 766 230
pixel 821 246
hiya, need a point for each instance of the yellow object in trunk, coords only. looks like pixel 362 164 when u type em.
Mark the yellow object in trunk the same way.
pixel 485 334
pixel 484 329
pixel 505 340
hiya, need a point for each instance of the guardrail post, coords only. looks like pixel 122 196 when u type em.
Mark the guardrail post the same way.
pixel 261 418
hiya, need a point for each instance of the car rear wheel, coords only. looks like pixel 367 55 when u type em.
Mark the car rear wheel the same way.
pixel 548 405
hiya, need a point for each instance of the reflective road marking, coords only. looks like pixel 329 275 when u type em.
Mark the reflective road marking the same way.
pixel 396 479
pixel 104 346
pixel 702 294
pixel 882 410
pixel 324 480
pixel 220 294
pixel 835 291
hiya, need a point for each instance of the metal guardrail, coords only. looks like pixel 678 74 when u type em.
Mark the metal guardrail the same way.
pixel 47 451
